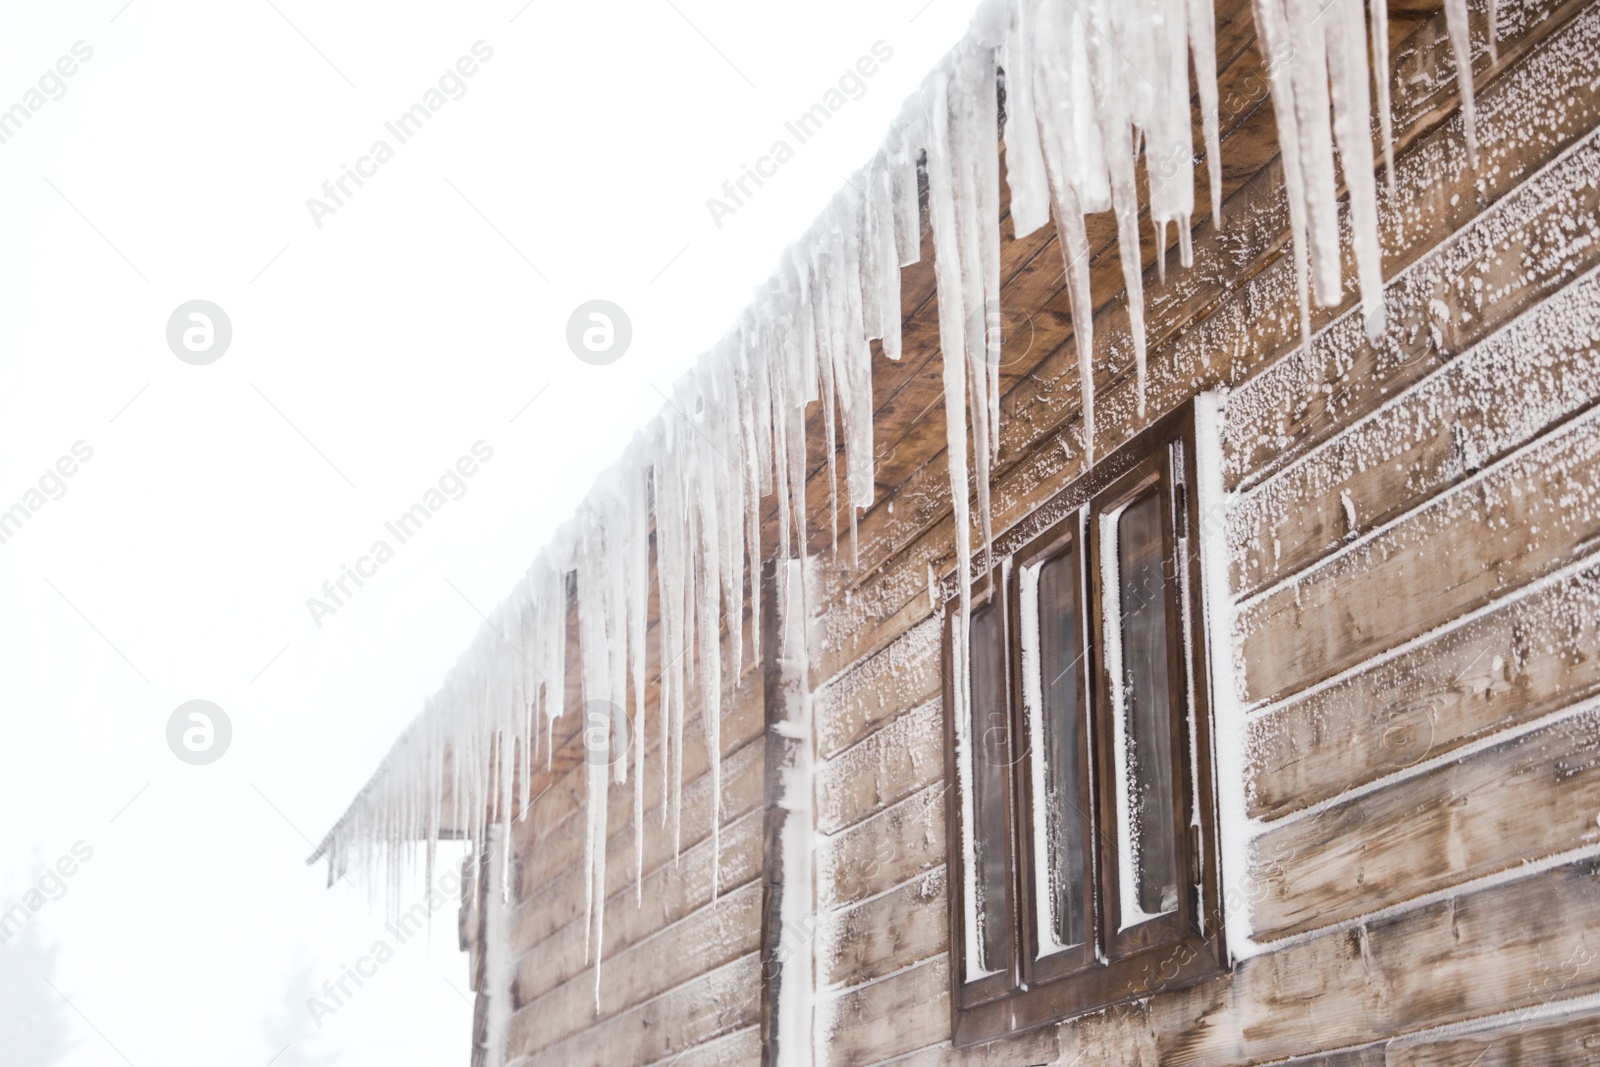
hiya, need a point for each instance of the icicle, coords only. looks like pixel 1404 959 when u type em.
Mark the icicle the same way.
pixel 1074 159
pixel 984 144
pixel 1114 93
pixel 637 531
pixel 952 342
pixel 853 369
pixel 595 632
pixel 822 316
pixel 1312 101
pixel 1347 65
pixel 1324 47
pixel 907 211
pixel 1025 168
pixel 776 364
pixel 1272 24
pixel 616 614
pixel 804 323
pixel 688 472
pixel 973 171
pixel 1203 45
pixel 525 699
pixel 1381 75
pixel 507 762
pixel 710 646
pixel 880 267
pixel 799 380
pixel 671 557
pixel 1460 27
pixel 1161 37
pixel 663 643
pixel 757 415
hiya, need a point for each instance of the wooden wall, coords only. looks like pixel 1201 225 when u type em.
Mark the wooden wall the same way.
pixel 1413 542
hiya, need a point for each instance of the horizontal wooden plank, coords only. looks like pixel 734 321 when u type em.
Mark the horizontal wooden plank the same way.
pixel 671 892
pixel 1489 535
pixel 1449 425
pixel 879 853
pixel 1523 1039
pixel 1545 1042
pixel 1498 1043
pixel 884 934
pixel 882 769
pixel 860 624
pixel 739 1049
pixel 1526 658
pixel 888 1018
pixel 1036 1049
pixel 707 1007
pixel 1371 1056
pixel 881 686
pixel 561 901
pixel 555 824
pixel 694 946
pixel 1498 949
pixel 1516 802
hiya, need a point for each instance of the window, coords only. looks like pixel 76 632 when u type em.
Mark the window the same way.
pixel 1082 828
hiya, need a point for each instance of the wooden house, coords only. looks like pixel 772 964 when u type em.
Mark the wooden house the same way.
pixel 1283 744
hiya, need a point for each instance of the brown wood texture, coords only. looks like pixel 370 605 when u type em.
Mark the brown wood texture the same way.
pixel 1446 428
pixel 882 935
pixel 560 866
pixel 1523 659
pixel 696 945
pixel 1519 801
pixel 1516 1043
pixel 671 893
pixel 1483 539
pixel 743 792
pixel 712 1005
pixel 885 767
pixel 885 850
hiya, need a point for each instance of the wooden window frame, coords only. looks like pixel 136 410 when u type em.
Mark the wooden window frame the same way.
pixel 1182 947
pixel 1064 539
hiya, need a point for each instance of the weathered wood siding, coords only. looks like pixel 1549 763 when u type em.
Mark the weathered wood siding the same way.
pixel 1413 542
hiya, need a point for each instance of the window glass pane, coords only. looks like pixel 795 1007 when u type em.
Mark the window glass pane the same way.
pixel 1144 588
pixel 991 753
pixel 1060 666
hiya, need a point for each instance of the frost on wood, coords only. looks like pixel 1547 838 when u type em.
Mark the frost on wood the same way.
pixel 1090 87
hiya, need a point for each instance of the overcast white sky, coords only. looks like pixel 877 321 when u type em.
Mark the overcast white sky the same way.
pixel 424 315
